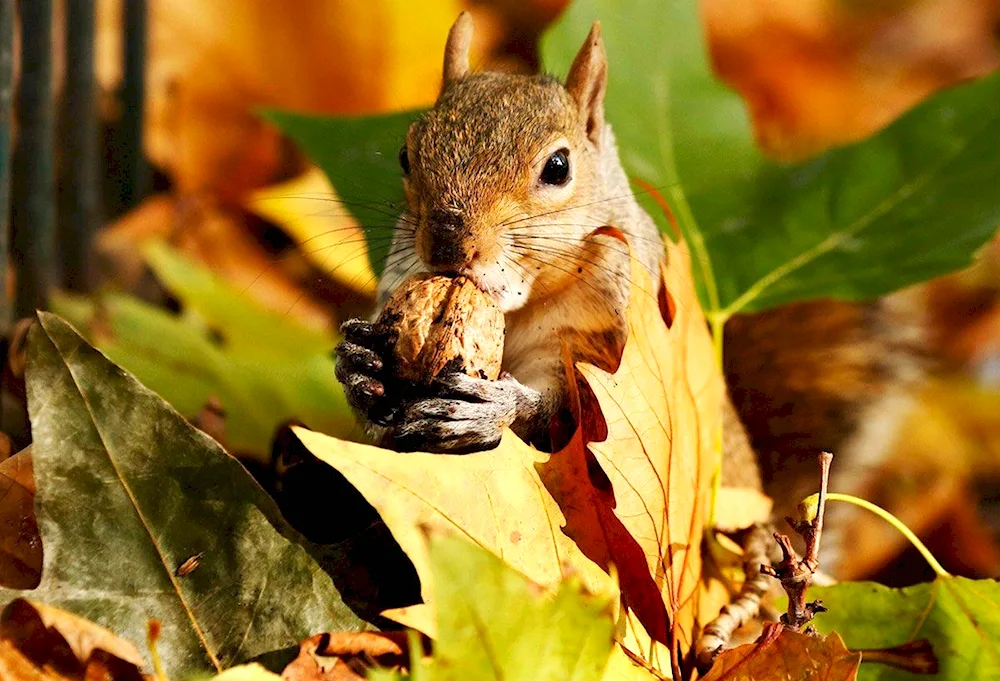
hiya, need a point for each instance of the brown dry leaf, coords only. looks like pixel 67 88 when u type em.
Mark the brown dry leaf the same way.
pixel 784 655
pixel 821 72
pixel 74 647
pixel 306 207
pixel 216 237
pixel 593 504
pixel 20 540
pixel 345 656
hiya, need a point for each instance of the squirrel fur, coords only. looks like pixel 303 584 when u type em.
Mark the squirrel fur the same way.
pixel 483 200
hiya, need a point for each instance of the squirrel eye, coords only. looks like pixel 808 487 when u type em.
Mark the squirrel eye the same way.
pixel 404 160
pixel 556 170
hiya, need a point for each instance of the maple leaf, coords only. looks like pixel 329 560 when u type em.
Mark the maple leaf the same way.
pixel 627 494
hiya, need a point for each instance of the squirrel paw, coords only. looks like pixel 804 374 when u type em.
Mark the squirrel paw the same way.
pixel 467 415
pixel 360 369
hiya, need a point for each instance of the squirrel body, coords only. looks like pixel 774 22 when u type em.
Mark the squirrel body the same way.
pixel 513 180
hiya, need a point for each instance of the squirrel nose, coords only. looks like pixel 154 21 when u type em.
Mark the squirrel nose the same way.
pixel 445 241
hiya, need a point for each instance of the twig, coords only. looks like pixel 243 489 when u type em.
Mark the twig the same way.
pixel 796 575
pixel 758 551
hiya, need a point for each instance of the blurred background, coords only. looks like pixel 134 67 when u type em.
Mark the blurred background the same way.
pixel 145 199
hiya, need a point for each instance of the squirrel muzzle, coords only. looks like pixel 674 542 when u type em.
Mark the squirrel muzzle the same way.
pixel 449 242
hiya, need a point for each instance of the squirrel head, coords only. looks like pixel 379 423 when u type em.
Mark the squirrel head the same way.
pixel 500 173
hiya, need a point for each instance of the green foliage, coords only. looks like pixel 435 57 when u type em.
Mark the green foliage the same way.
pixel 266 370
pixel 127 491
pixel 494 623
pixel 959 617
pixel 911 203
pixel 360 156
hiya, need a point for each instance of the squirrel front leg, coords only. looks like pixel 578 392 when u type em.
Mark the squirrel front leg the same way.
pixel 467 414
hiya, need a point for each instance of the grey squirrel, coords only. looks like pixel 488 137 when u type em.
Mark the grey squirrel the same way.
pixel 509 180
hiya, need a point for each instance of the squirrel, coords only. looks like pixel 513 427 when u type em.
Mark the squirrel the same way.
pixel 512 181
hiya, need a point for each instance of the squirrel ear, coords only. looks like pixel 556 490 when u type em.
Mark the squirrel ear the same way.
pixel 587 81
pixel 456 51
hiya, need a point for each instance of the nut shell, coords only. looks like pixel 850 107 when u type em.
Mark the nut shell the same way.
pixel 436 322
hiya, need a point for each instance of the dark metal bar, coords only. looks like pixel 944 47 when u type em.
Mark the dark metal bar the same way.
pixel 6 121
pixel 79 177
pixel 33 175
pixel 133 169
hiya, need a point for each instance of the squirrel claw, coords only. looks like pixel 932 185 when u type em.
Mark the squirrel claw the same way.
pixel 359 368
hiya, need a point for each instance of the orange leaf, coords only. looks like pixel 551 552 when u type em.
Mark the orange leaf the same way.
pixel 634 500
pixel 784 655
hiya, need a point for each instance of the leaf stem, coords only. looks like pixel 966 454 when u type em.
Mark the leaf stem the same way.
pixel 898 524
pixel 152 635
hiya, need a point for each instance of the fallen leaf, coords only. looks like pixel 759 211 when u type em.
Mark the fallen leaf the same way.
pixel 103 438
pixel 959 617
pixel 345 656
pixel 542 514
pixel 417 491
pixel 20 542
pixel 53 637
pixel 784 655
pixel 308 209
pixel 947 447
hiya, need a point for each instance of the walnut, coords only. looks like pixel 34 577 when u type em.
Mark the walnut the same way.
pixel 436 322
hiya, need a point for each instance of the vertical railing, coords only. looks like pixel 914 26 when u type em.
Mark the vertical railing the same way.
pixel 32 167
pixel 79 176
pixel 50 236
pixel 6 122
pixel 135 178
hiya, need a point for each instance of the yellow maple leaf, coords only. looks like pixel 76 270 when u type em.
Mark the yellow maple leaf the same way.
pixel 639 512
